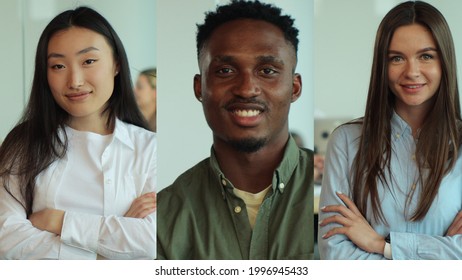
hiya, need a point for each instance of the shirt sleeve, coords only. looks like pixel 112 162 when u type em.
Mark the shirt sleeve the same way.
pixel 413 246
pixel 115 237
pixel 340 154
pixel 19 239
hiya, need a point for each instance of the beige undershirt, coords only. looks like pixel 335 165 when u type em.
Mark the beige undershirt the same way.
pixel 252 202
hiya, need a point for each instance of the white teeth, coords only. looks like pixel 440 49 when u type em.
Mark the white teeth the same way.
pixel 247 113
pixel 413 87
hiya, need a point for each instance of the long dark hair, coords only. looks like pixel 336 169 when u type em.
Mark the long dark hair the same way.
pixel 439 138
pixel 34 143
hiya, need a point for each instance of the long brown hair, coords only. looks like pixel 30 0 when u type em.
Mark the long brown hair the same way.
pixel 439 138
pixel 34 143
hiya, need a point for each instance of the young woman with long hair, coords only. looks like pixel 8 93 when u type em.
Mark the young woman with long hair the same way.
pixel 78 170
pixel 392 185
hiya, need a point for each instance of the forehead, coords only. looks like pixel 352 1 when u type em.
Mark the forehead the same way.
pixel 413 35
pixel 248 37
pixel 75 39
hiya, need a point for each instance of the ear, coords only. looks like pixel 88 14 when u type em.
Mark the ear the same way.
pixel 198 87
pixel 117 69
pixel 296 87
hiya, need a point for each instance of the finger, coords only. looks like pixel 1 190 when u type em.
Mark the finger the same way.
pixel 334 231
pixel 341 209
pixel 349 203
pixel 146 212
pixel 335 219
pixel 140 209
pixel 143 207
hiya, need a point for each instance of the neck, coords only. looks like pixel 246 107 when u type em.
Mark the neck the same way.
pixel 414 118
pixel 250 172
pixel 96 125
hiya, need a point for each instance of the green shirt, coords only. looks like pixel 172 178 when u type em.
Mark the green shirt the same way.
pixel 199 217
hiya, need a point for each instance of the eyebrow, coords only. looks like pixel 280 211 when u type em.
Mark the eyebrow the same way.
pixel 86 50
pixel 261 59
pixel 420 51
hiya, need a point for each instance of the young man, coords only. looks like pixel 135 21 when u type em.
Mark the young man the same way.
pixel 253 198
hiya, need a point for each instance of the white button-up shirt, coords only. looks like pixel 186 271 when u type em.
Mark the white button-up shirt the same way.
pixel 129 169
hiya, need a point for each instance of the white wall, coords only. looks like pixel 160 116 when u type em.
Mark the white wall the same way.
pixel 22 22
pixel 343 45
pixel 11 72
pixel 184 136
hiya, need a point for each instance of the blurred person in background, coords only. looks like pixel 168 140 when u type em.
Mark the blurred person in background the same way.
pixel 146 95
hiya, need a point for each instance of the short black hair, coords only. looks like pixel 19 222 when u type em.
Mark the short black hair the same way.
pixel 239 9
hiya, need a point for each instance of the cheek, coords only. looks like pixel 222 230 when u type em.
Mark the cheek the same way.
pixel 56 84
pixel 101 80
pixel 393 73
pixel 435 74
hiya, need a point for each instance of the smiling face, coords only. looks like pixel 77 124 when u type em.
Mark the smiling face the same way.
pixel 81 70
pixel 247 84
pixel 414 68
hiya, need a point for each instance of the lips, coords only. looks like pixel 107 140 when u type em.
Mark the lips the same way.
pixel 78 96
pixel 412 88
pixel 245 113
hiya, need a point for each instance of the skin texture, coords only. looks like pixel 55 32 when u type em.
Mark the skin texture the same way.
pixel 81 71
pixel 413 62
pixel 247 69
pixel 80 63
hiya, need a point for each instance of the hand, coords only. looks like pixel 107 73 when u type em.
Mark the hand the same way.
pixel 354 226
pixel 456 226
pixel 50 220
pixel 142 206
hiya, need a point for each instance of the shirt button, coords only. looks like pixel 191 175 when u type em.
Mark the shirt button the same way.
pixel 223 181
pixel 237 209
pixel 281 185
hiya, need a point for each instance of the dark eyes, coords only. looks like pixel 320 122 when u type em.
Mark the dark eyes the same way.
pixel 61 66
pixel 224 71
pixel 89 61
pixel 57 66
pixel 268 71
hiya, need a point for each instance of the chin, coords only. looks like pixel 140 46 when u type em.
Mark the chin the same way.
pixel 248 145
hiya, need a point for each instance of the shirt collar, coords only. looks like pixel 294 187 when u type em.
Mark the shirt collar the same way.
pixel 399 127
pixel 287 166
pixel 281 175
pixel 121 134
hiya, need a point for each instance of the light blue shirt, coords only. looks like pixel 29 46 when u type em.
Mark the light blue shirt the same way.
pixel 423 239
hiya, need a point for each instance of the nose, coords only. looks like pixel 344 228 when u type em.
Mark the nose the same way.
pixel 75 78
pixel 247 86
pixel 412 68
